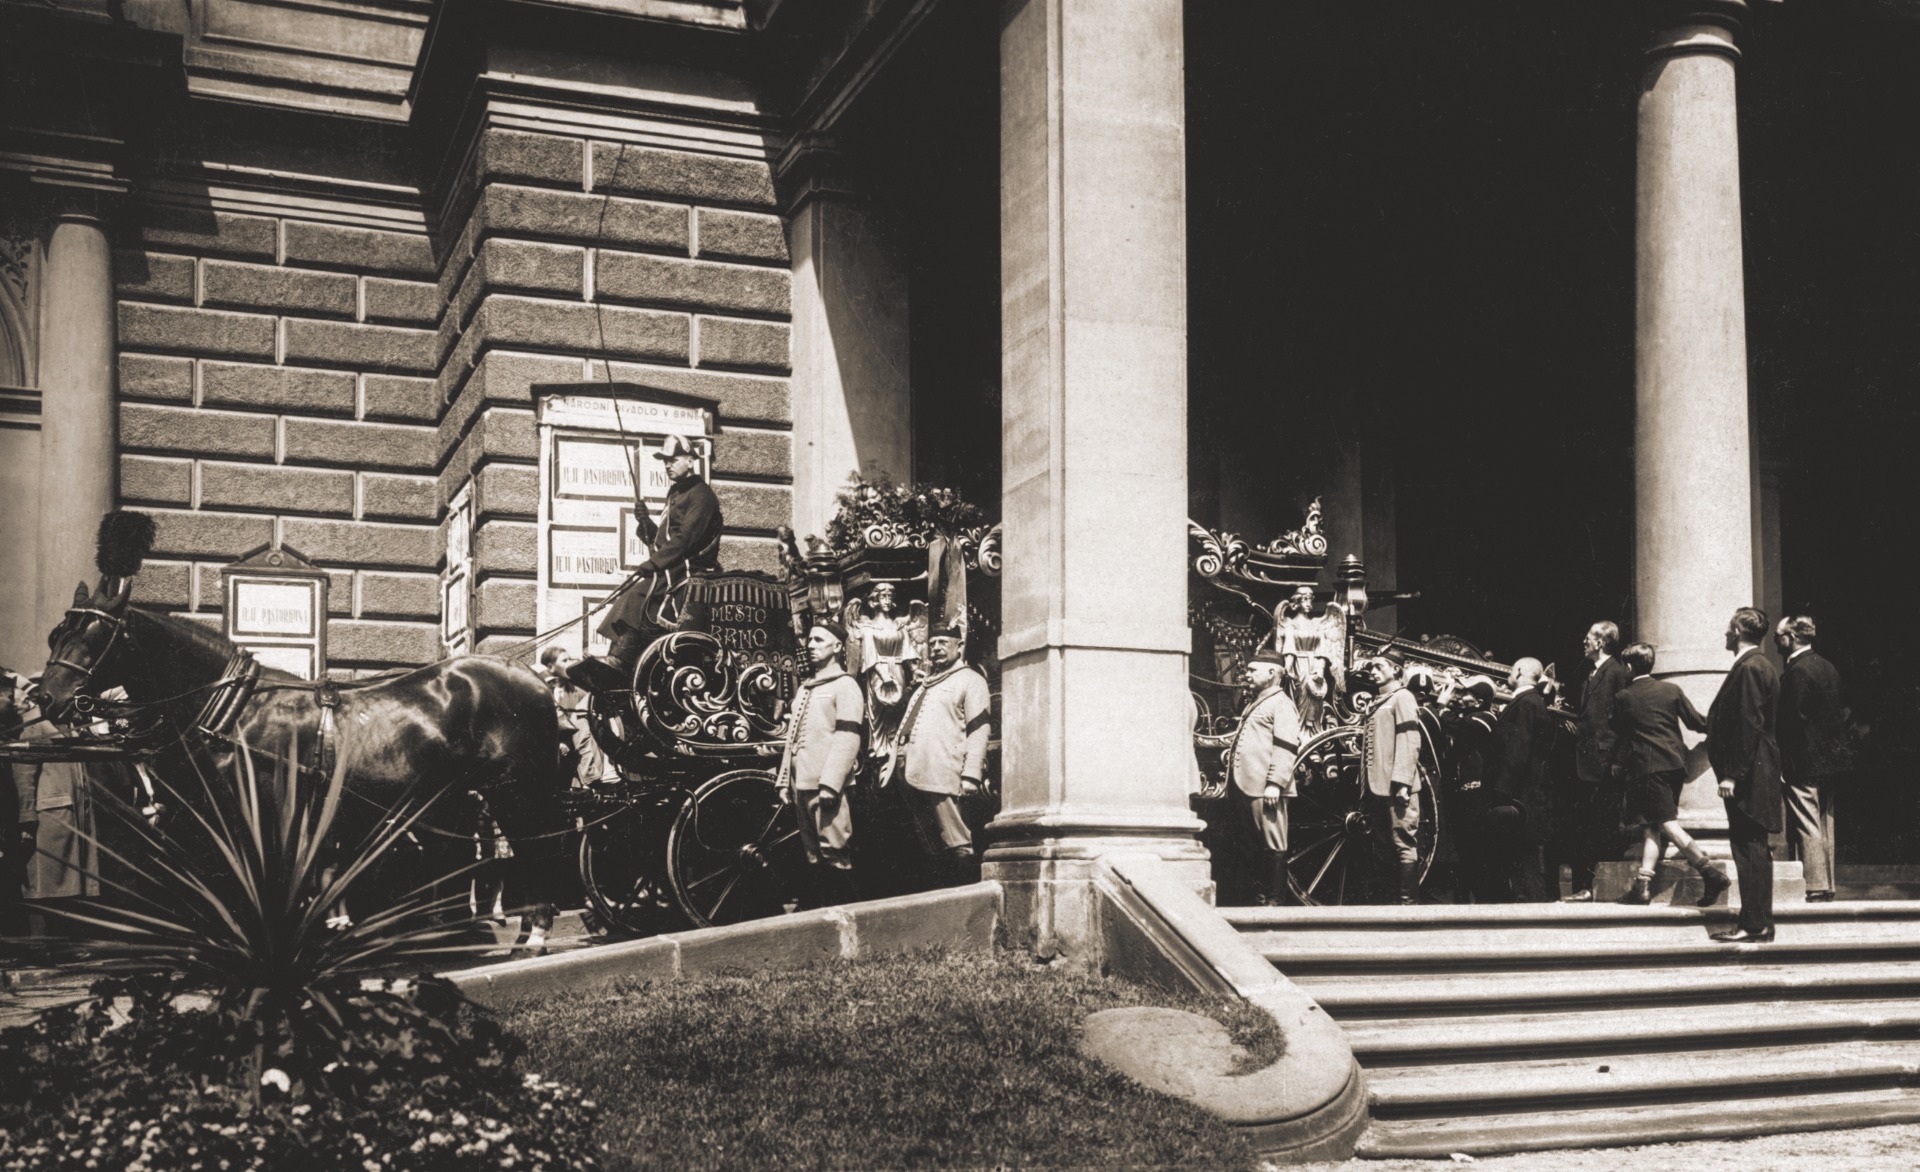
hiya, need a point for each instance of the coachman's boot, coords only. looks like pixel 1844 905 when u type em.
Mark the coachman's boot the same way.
pixel 962 869
pixel 1409 883
pixel 1278 894
pixel 612 672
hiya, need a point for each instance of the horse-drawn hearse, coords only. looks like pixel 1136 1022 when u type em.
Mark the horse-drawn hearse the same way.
pixel 1245 597
pixel 693 829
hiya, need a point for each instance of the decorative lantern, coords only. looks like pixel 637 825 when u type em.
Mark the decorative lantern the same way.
pixel 1353 577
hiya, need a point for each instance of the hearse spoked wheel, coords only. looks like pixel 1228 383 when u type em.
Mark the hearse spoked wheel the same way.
pixel 620 867
pixel 1333 860
pixel 734 852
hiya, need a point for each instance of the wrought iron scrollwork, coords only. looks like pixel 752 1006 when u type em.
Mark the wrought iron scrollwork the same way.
pixel 1219 553
pixel 694 697
pixel 1309 541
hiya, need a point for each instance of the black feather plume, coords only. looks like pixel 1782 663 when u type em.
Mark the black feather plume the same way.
pixel 124 541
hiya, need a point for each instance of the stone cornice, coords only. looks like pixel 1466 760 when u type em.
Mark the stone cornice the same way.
pixel 731 15
pixel 351 58
pixel 835 62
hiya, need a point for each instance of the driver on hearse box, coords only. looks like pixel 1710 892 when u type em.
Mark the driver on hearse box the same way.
pixel 685 542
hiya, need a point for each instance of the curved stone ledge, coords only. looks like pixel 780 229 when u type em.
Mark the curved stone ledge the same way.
pixel 961 918
pixel 1309 1105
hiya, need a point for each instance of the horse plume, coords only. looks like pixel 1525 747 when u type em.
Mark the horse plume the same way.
pixel 123 543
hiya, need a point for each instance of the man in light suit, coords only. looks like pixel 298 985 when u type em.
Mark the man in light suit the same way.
pixel 1392 763
pixel 943 744
pixel 1264 750
pixel 1745 754
pixel 1813 750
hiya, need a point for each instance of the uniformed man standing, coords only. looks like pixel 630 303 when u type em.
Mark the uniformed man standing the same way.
pixel 943 741
pixel 1392 763
pixel 1264 750
pixel 823 750
pixel 686 541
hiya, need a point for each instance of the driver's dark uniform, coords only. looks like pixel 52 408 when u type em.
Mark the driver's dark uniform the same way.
pixel 686 541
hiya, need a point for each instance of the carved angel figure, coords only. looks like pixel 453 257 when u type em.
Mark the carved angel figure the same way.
pixel 1315 648
pixel 884 651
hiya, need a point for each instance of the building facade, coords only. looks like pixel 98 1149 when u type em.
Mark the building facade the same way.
pixel 330 277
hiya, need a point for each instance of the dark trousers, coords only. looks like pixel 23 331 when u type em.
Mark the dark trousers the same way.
pixel 1532 882
pixel 1753 857
pixel 1579 811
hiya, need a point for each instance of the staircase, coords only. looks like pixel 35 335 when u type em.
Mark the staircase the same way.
pixel 1487 1029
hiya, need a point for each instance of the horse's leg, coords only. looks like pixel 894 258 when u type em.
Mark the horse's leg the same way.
pixel 533 823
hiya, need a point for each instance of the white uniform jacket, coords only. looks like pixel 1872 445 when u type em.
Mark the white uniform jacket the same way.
pixel 944 733
pixel 823 738
pixel 1393 743
pixel 1266 745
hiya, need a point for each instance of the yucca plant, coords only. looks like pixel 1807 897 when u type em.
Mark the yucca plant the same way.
pixel 233 893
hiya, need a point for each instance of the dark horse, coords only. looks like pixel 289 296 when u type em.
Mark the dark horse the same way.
pixel 472 723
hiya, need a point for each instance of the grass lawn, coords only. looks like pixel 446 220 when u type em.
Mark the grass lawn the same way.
pixel 925 1060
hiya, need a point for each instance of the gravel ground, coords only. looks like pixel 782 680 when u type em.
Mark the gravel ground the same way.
pixel 1866 1148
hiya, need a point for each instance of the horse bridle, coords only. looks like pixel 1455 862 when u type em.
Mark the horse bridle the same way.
pixel 116 626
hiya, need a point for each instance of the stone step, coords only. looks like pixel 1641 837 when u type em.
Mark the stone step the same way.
pixel 1514 915
pixel 1525 1027
pixel 1877 881
pixel 1675 882
pixel 1613 1125
pixel 1404 995
pixel 1484 1037
pixel 1449 1089
pixel 1299 959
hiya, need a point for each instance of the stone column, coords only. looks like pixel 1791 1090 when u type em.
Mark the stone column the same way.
pixel 852 392
pixel 1693 469
pixel 78 449
pixel 1095 746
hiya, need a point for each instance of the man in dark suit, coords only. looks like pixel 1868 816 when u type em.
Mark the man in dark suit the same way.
pixel 1486 821
pixel 1522 738
pixel 1813 750
pixel 1586 809
pixel 1651 753
pixel 1745 754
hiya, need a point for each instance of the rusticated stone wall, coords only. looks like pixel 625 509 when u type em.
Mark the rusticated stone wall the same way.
pixel 331 386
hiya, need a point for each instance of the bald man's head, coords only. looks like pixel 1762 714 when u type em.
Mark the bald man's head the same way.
pixel 1526 672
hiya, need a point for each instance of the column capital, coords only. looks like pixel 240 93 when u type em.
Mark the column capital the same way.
pixel 89 216
pixel 1682 27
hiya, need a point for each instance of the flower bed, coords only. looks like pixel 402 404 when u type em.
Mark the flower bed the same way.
pixel 142 1078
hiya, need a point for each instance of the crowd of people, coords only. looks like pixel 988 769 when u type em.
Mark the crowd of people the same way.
pixel 1776 741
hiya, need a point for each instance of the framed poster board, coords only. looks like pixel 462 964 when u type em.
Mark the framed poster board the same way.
pixel 275 605
pixel 596 440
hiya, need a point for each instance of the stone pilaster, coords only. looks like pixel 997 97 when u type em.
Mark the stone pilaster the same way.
pixel 852 393
pixel 78 460
pixel 1093 325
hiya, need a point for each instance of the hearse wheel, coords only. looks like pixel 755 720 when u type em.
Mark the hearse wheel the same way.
pixel 734 851
pixel 1332 860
